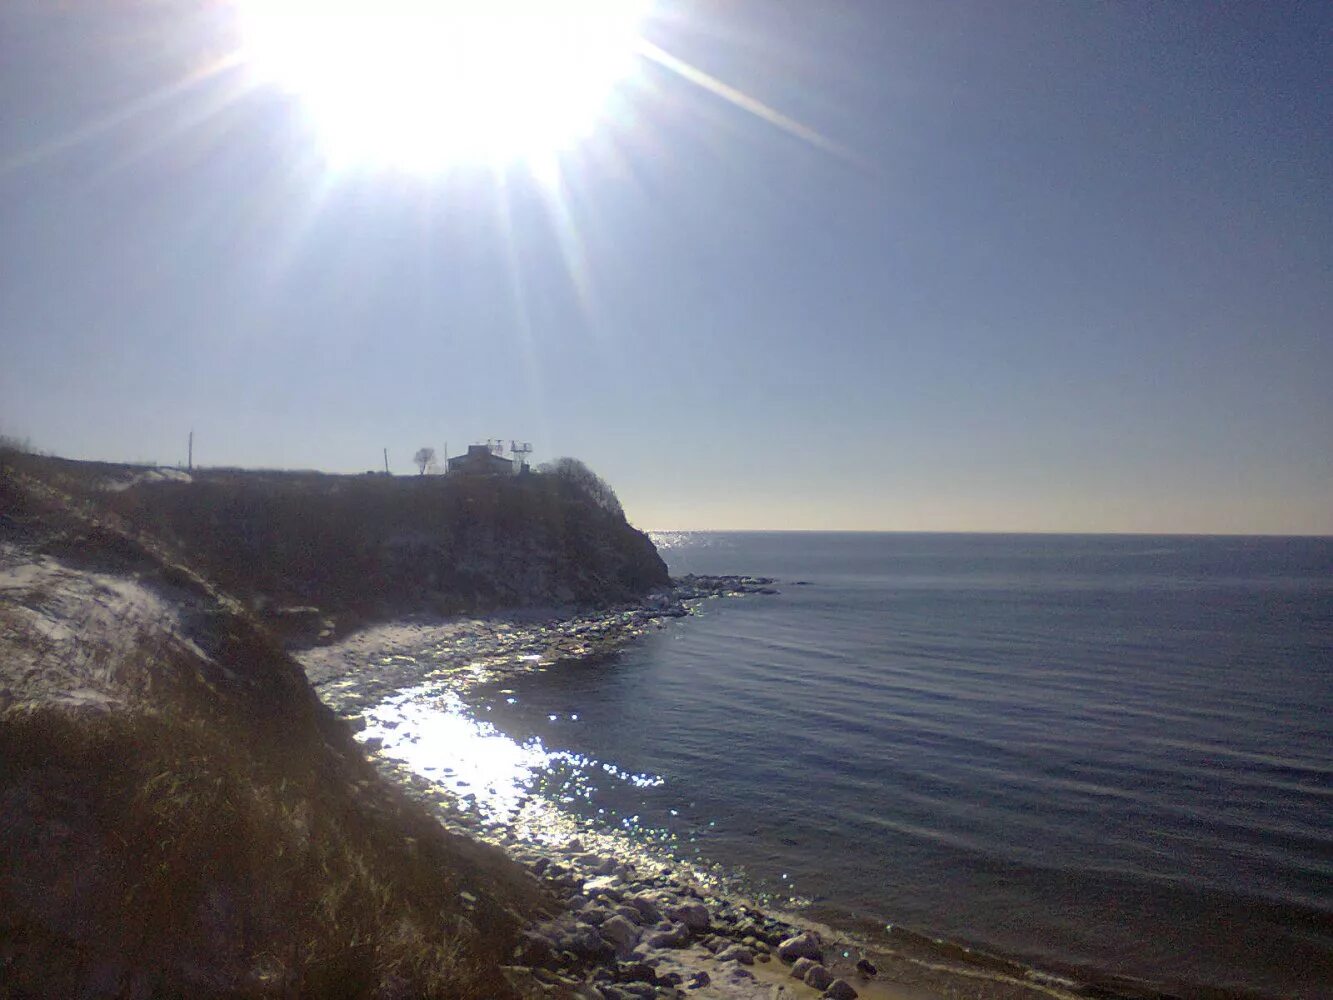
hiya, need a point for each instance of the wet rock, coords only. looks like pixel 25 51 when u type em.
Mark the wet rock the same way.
pixel 584 942
pixel 593 914
pixel 840 989
pixel 621 934
pixel 866 968
pixel 737 953
pixel 629 913
pixel 804 945
pixel 646 905
pixel 636 972
pixel 678 936
pixel 817 977
pixel 802 966
pixel 692 915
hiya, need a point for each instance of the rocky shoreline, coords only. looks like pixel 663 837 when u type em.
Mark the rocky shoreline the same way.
pixel 630 926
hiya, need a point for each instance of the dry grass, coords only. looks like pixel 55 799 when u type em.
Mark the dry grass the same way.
pixel 171 857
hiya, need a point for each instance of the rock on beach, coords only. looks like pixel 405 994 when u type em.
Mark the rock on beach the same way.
pixel 801 967
pixel 804 945
pixel 819 978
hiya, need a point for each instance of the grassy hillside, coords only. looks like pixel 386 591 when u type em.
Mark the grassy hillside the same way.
pixel 180 814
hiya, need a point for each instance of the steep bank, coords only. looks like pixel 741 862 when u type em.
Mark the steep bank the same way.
pixel 314 555
pixel 182 815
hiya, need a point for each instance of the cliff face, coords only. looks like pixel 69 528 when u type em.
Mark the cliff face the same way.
pixel 370 548
pixel 182 816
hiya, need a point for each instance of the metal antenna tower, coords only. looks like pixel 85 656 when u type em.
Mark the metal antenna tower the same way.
pixel 520 453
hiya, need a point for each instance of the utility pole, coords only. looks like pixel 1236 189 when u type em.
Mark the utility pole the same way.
pixel 190 460
pixel 386 461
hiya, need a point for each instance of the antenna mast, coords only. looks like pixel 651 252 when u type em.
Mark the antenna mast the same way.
pixel 520 453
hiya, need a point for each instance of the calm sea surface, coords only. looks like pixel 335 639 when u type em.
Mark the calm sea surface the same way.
pixel 1109 753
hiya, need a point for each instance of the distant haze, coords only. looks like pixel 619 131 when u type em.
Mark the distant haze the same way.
pixel 915 266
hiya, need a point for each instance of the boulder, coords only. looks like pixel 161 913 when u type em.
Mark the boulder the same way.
pixel 646 905
pixel 840 989
pixel 584 942
pixel 804 945
pixel 699 980
pixel 736 953
pixel 620 934
pixel 629 913
pixel 678 936
pixel 866 968
pixel 692 915
pixel 802 966
pixel 817 977
pixel 636 972
pixel 593 914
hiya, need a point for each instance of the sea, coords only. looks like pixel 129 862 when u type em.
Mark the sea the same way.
pixel 1105 757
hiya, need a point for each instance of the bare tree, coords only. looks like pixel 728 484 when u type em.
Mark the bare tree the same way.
pixel 424 457
pixel 591 485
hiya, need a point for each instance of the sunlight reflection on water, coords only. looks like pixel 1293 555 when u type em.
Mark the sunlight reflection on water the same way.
pixel 430 730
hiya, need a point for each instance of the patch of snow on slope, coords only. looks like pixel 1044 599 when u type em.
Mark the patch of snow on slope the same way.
pixel 75 636
pixel 162 475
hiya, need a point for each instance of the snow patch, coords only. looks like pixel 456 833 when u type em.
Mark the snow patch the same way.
pixel 161 475
pixel 77 637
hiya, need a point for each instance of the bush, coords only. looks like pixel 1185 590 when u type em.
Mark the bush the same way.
pixel 587 482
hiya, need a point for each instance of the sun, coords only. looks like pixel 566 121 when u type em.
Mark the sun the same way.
pixel 426 85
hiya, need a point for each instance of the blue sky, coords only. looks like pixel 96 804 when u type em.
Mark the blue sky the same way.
pixel 1072 269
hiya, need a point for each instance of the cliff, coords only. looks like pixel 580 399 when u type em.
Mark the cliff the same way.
pixel 369 548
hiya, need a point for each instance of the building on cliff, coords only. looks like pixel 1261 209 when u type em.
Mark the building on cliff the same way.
pixel 481 460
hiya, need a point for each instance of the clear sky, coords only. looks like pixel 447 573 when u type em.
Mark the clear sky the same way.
pixel 990 266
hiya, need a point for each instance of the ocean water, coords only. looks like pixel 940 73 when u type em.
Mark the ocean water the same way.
pixel 1105 755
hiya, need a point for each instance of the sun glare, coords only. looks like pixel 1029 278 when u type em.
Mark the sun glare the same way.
pixel 422 85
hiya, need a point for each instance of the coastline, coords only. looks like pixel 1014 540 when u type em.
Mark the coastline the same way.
pixel 734 945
